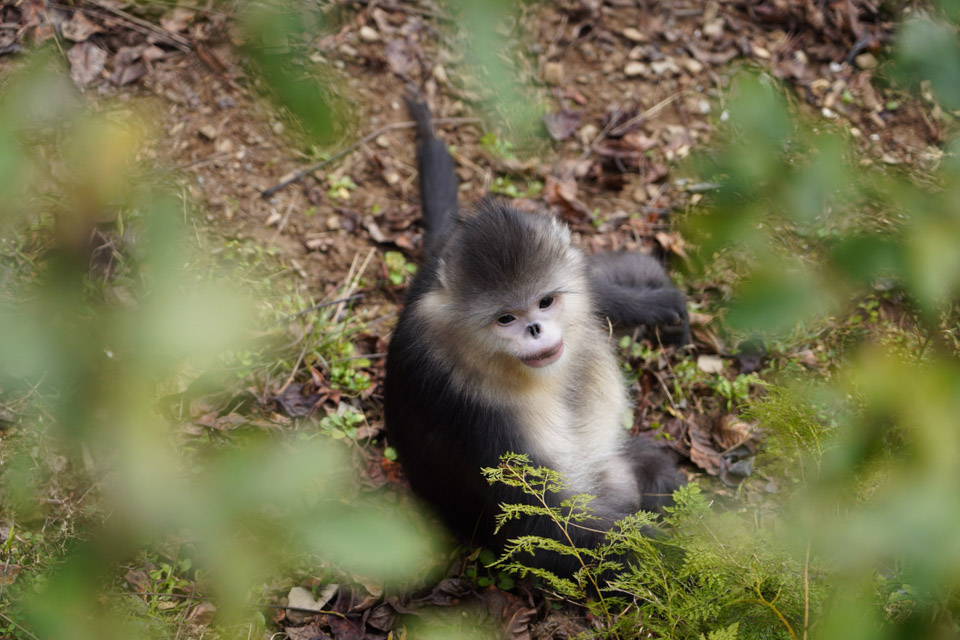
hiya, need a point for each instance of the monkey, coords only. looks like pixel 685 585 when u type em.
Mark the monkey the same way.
pixel 501 347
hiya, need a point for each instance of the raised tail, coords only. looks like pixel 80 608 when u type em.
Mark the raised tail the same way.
pixel 438 182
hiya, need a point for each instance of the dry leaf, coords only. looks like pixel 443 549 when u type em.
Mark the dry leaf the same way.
pixel 87 62
pixel 561 124
pixel 177 20
pixel 79 27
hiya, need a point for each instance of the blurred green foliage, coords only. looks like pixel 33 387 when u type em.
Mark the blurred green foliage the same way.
pixel 106 305
pixel 879 460
pixel 274 31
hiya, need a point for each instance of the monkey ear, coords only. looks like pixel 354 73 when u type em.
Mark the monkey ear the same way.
pixel 562 231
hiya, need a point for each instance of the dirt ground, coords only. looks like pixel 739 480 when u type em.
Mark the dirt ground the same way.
pixel 629 90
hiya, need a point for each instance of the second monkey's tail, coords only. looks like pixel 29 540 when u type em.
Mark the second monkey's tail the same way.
pixel 438 182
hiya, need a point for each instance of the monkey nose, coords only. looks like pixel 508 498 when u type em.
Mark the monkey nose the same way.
pixel 534 329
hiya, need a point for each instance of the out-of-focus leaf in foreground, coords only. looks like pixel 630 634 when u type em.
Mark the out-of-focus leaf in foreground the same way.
pixel 88 345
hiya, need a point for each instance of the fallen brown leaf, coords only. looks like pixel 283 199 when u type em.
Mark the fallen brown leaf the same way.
pixel 79 27
pixel 87 62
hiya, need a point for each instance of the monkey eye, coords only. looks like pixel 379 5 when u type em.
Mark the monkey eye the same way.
pixel 505 319
pixel 546 302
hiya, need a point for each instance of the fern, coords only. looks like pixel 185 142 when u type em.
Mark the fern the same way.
pixel 705 574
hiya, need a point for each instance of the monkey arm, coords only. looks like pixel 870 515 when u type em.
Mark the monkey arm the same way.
pixel 438 182
pixel 633 290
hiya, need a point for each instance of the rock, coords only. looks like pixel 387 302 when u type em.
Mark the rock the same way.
pixel 665 67
pixel 866 61
pixel 553 73
pixel 714 28
pixel 692 65
pixel 634 69
pixel 208 131
pixel 368 34
pixel 634 35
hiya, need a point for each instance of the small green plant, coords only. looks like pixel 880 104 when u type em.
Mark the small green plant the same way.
pixel 497 146
pixel 481 569
pixel 341 187
pixel 868 311
pixel 343 424
pixel 345 373
pixel 168 582
pixel 736 391
pixel 637 349
pixel 506 187
pixel 399 270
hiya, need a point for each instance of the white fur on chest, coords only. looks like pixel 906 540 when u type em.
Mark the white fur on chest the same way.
pixel 580 434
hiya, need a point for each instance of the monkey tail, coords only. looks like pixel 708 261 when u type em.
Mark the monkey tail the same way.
pixel 420 113
pixel 438 182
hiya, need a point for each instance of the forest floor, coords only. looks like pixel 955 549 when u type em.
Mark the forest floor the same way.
pixel 629 92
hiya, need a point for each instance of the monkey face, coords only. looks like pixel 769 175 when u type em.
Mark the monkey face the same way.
pixel 534 334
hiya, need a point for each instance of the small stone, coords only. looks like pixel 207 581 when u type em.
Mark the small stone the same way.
pixel 383 141
pixel 588 133
pixel 866 61
pixel 634 69
pixel 553 73
pixel 208 131
pixel 665 67
pixel 440 74
pixel 277 127
pixel 692 65
pixel 714 28
pixel 709 363
pixel 634 35
pixel 368 34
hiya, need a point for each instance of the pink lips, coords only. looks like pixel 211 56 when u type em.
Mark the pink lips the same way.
pixel 545 357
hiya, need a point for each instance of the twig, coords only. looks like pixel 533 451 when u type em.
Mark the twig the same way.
pixel 282 223
pixel 649 112
pixel 296 367
pixel 140 24
pixel 353 278
pixel 302 610
pixel 189 165
pixel 13 622
pixel 364 356
pixel 321 305
pixel 395 126
pixel 806 592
